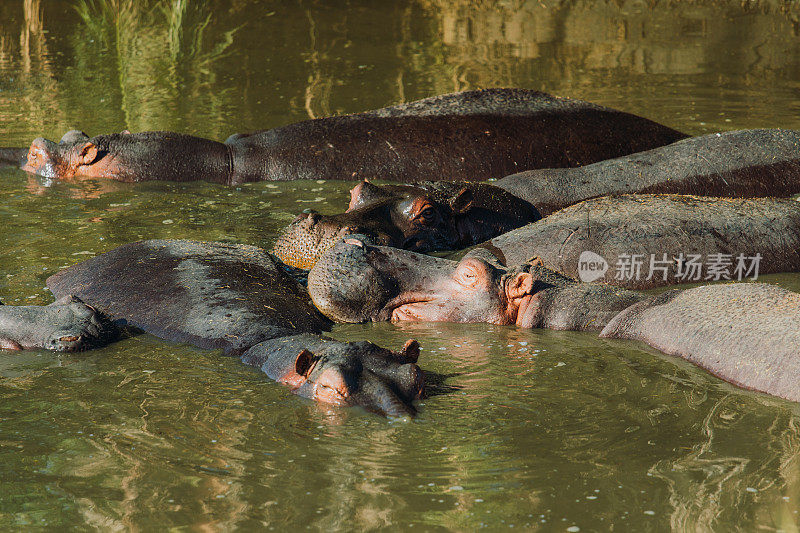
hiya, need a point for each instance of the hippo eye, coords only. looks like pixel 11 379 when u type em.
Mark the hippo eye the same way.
pixel 427 215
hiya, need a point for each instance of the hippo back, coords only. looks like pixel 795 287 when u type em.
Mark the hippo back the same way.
pixel 212 295
pixel 655 230
pixel 749 163
pixel 472 135
pixel 745 333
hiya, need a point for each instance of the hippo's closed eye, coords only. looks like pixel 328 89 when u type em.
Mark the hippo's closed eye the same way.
pixel 472 273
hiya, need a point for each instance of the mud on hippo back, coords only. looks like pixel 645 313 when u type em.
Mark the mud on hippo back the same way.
pixel 473 135
pixel 216 296
pixel 651 240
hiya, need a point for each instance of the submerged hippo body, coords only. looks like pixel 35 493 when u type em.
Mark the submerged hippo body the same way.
pixel 214 295
pixel 745 333
pixel 655 240
pixel 737 164
pixel 422 217
pixel 473 135
pixel 16 157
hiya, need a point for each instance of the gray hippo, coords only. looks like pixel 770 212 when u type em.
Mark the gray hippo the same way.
pixel 750 163
pixel 734 164
pixel 217 296
pixel 473 135
pixel 652 240
pixel 745 333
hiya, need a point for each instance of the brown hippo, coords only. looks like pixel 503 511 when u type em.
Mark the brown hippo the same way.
pixel 356 282
pixel 473 135
pixel 213 295
pixel 748 163
pixel 651 240
pixel 423 217
pixel 745 333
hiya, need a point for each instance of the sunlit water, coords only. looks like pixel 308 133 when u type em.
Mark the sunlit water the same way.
pixel 527 429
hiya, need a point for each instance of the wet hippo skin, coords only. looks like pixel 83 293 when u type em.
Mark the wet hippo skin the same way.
pixel 215 295
pixel 423 217
pixel 750 163
pixel 473 135
pixel 745 333
pixel 746 163
pixel 667 229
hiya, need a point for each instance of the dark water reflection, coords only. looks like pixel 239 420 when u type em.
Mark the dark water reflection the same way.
pixel 535 429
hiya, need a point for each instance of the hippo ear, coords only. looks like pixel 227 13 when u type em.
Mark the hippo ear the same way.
pixel 73 137
pixel 304 363
pixel 520 286
pixel 462 202
pixel 364 193
pixel 410 351
pixel 87 153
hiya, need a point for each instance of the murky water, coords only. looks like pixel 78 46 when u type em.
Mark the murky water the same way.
pixel 526 429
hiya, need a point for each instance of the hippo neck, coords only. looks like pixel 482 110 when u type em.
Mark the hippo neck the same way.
pixel 561 303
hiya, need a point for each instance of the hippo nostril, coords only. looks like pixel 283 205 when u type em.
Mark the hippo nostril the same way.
pixel 355 242
pixel 414 244
pixel 346 230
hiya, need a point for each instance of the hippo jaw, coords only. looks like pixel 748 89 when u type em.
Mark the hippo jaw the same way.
pixel 354 282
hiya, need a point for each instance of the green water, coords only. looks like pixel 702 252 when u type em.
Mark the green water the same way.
pixel 537 430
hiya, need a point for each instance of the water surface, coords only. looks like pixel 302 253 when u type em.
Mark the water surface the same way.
pixel 525 429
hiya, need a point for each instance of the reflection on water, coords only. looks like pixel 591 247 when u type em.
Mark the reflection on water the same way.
pixel 535 429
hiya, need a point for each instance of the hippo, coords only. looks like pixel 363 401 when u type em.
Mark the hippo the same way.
pixel 423 217
pixel 745 333
pixel 357 282
pixel 13 157
pixel 737 164
pixel 472 135
pixel 652 240
pixel 221 296
pixel 750 163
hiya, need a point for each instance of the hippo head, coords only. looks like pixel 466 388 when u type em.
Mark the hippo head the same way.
pixel 344 373
pixel 355 282
pixel 63 160
pixel 126 156
pixel 423 217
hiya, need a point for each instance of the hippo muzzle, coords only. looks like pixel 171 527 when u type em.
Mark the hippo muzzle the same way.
pixel 355 374
pixel 356 282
